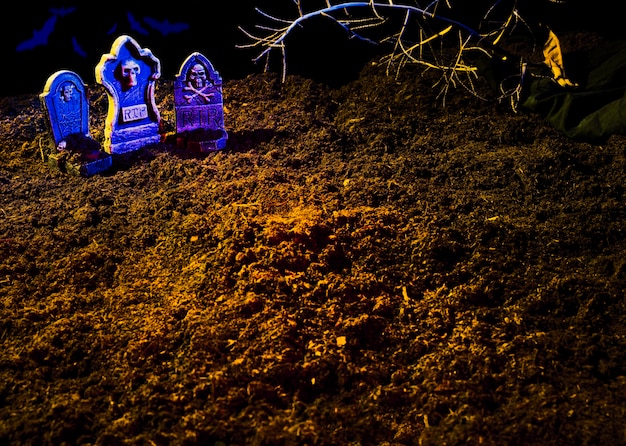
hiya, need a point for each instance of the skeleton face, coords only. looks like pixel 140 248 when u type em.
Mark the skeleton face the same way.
pixel 129 71
pixel 197 76
pixel 66 92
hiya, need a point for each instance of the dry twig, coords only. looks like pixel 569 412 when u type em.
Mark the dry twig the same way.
pixel 428 34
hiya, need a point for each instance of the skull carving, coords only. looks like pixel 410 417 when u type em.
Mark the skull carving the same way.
pixel 197 76
pixel 67 90
pixel 129 70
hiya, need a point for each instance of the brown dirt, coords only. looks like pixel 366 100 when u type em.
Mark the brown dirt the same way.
pixel 360 265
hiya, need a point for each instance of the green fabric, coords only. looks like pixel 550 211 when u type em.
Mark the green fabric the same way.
pixel 596 108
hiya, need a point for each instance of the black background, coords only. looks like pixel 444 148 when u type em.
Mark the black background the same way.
pixel 319 50
pixel 322 52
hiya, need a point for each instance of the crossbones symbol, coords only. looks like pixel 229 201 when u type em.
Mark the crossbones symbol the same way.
pixel 201 93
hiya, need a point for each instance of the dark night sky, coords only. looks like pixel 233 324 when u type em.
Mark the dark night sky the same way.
pixel 81 33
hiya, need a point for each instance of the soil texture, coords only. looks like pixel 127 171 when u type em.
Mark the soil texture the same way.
pixel 361 265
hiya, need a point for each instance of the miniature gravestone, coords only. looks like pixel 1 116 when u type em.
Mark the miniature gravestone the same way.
pixel 199 106
pixel 70 146
pixel 129 73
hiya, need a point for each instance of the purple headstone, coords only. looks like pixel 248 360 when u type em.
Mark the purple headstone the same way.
pixel 129 73
pixel 71 148
pixel 199 105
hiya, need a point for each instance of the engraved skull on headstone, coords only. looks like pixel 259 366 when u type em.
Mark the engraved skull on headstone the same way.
pixel 198 85
pixel 67 92
pixel 129 70
pixel 197 76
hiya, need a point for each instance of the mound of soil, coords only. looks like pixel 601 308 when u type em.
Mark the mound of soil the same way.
pixel 360 265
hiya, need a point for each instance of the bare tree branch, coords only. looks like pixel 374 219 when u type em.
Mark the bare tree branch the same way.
pixel 431 36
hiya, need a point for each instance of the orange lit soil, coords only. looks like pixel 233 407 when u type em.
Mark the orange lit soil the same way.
pixel 360 265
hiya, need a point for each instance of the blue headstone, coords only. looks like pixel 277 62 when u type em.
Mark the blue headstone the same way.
pixel 129 73
pixel 71 148
pixel 65 100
